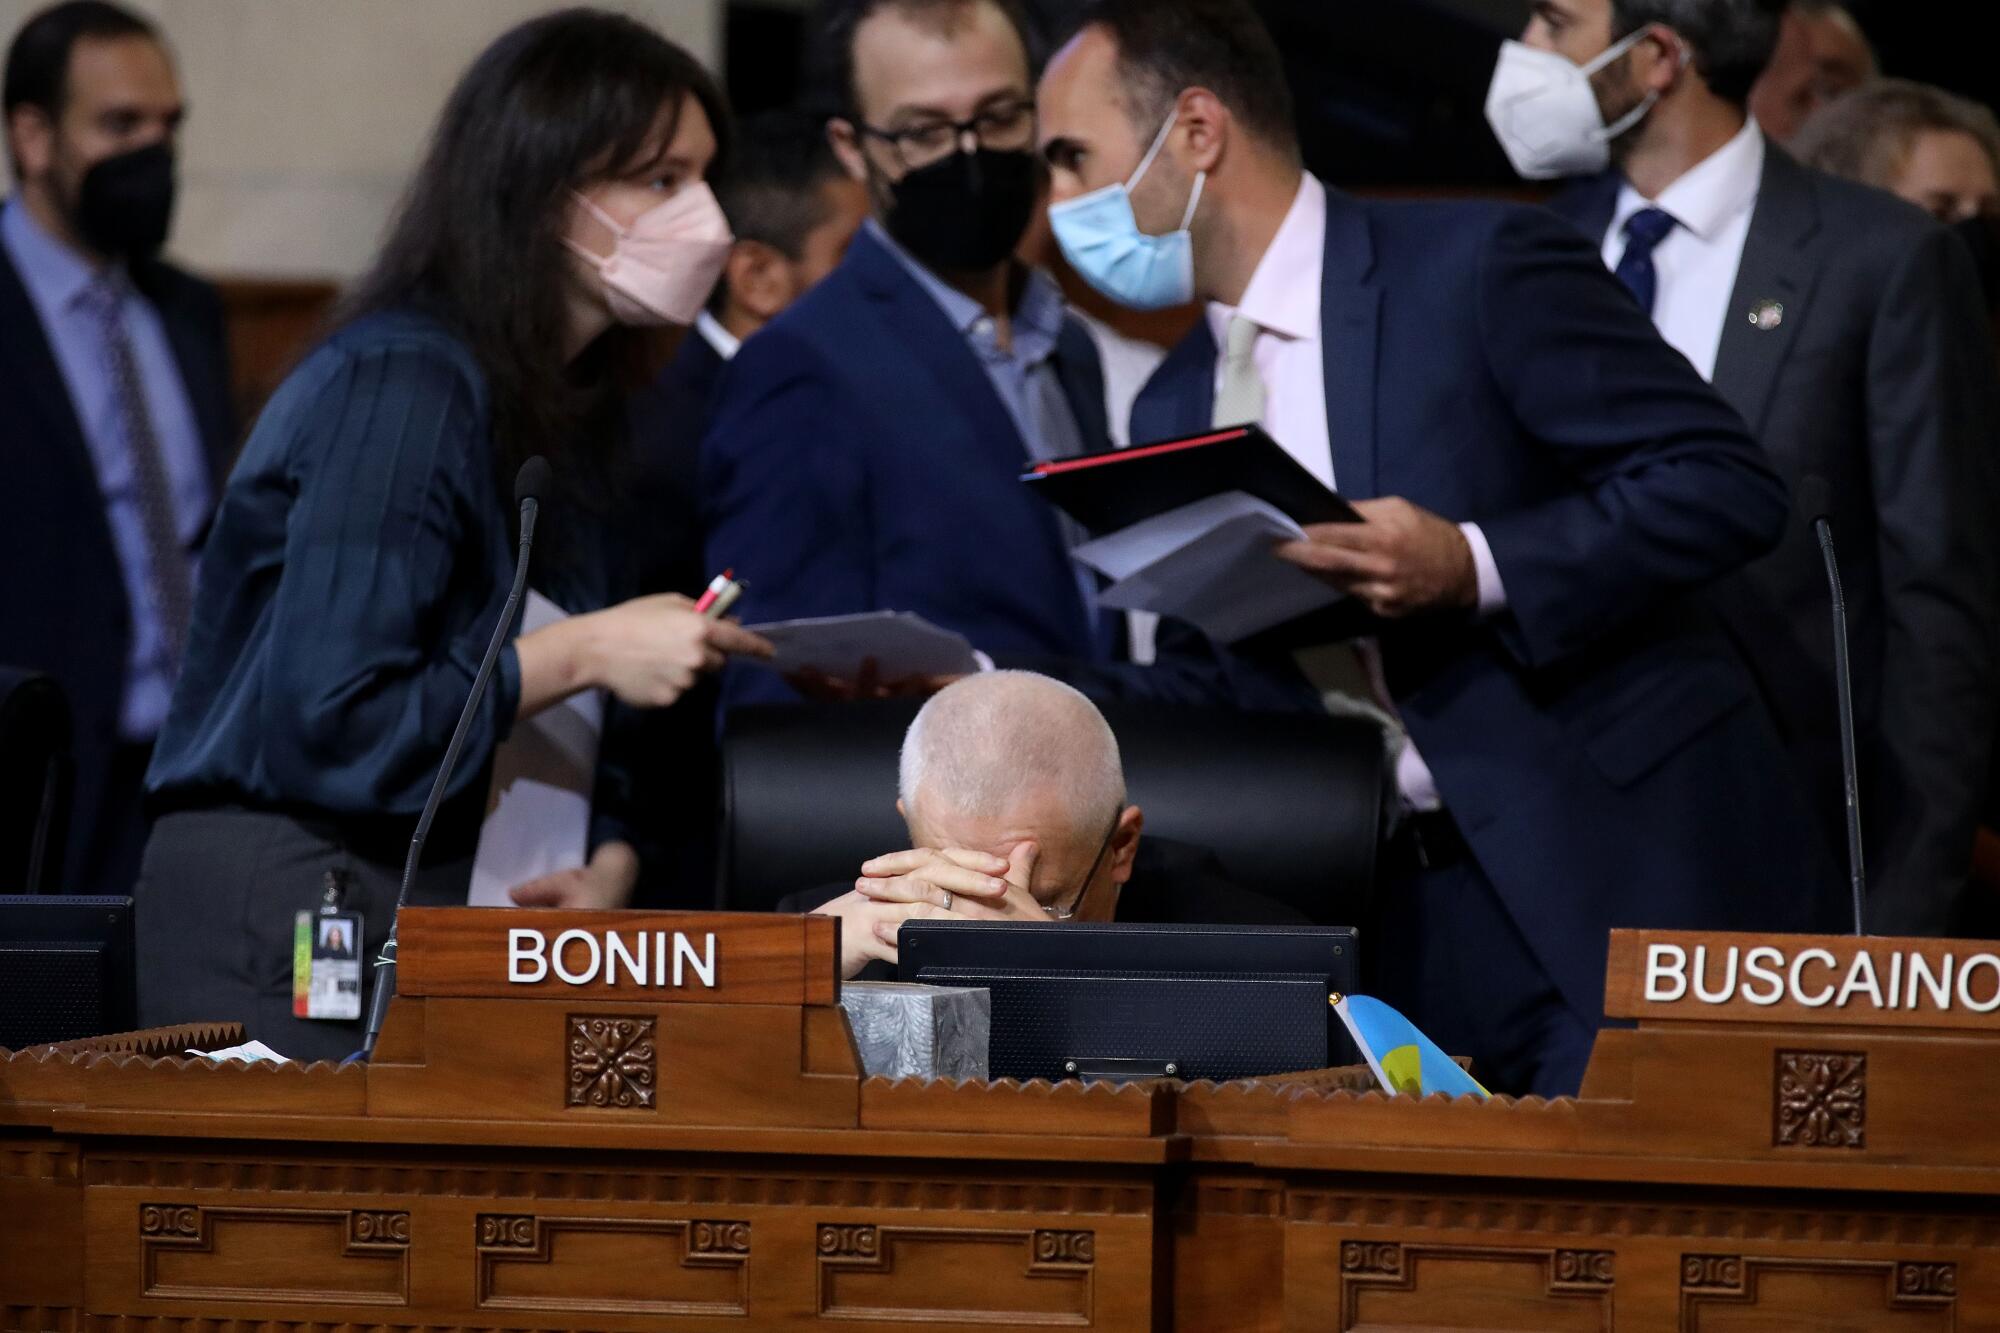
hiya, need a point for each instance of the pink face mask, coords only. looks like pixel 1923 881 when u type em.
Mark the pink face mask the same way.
pixel 662 268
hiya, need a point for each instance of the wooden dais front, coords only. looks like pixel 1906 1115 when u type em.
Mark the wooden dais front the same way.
pixel 576 1155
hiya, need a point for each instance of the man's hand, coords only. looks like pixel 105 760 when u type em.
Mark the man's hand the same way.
pixel 1402 560
pixel 606 882
pixel 868 927
pixel 956 880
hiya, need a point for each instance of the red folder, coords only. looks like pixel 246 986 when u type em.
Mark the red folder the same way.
pixel 1119 487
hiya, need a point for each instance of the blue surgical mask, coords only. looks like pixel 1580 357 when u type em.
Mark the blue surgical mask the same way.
pixel 1100 236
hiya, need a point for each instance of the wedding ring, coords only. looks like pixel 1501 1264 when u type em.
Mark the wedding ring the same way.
pixel 947 900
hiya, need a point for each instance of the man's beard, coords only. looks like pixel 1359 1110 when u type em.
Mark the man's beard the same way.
pixel 1618 94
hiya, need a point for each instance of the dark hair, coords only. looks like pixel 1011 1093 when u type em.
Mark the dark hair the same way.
pixel 1731 40
pixel 38 61
pixel 771 191
pixel 551 105
pixel 833 56
pixel 1168 46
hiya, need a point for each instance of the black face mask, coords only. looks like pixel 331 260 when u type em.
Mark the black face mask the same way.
pixel 966 212
pixel 126 203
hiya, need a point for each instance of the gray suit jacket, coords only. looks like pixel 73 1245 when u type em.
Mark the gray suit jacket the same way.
pixel 1872 367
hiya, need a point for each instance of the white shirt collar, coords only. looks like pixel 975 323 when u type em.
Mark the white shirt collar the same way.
pixel 722 340
pixel 1705 198
pixel 1283 295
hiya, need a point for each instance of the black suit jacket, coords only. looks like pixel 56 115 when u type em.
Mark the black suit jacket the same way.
pixel 668 754
pixel 1880 378
pixel 62 601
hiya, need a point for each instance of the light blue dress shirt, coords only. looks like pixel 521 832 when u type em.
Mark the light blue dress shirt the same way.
pixel 1023 374
pixel 58 281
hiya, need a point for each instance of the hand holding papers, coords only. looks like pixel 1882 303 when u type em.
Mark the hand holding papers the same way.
pixel 1187 528
pixel 900 645
pixel 1209 563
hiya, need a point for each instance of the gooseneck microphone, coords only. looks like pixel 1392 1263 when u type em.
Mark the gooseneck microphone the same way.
pixel 1816 502
pixel 531 483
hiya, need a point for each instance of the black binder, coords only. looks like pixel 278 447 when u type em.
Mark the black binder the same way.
pixel 1119 487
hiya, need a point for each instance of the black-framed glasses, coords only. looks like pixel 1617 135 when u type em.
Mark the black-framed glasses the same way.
pixel 1068 911
pixel 1006 128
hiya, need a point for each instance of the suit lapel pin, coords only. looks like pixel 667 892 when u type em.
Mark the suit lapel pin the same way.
pixel 1767 315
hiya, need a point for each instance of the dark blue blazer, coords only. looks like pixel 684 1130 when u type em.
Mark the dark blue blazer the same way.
pixel 1599 742
pixel 662 540
pixel 62 598
pixel 1879 379
pixel 859 459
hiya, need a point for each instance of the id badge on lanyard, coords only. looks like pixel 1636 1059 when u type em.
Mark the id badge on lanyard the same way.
pixel 326 957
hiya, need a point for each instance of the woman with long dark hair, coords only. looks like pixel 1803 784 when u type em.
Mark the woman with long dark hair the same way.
pixel 365 543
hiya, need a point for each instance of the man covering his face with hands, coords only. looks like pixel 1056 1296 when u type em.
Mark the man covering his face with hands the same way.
pixel 1014 796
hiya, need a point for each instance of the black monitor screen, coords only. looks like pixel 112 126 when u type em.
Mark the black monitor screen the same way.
pixel 65 968
pixel 1114 1001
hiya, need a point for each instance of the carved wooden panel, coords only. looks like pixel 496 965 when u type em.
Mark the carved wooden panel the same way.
pixel 1733 1294
pixel 612 1266
pixel 272 1255
pixel 611 1062
pixel 1013 1279
pixel 1820 1100
pixel 1447 1286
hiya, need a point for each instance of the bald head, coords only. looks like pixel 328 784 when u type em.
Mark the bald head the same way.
pixel 993 743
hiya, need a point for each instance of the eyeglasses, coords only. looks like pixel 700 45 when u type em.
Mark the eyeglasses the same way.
pixel 1066 912
pixel 1007 128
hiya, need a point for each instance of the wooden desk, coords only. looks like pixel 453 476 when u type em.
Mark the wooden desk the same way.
pixel 570 1161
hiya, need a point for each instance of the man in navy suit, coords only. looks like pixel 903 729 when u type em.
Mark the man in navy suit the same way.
pixel 867 446
pixel 1544 484
pixel 793 211
pixel 1846 327
pixel 115 412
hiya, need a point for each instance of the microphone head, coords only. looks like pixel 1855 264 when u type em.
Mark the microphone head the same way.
pixel 532 481
pixel 1815 497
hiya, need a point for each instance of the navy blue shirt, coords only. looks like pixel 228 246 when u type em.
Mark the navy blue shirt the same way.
pixel 358 562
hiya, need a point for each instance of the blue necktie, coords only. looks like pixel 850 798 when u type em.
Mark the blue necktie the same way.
pixel 1644 231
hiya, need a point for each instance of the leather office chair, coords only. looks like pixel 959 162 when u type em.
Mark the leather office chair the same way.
pixel 1291 805
pixel 35 779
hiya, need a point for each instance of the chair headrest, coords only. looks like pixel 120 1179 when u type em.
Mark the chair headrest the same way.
pixel 1290 804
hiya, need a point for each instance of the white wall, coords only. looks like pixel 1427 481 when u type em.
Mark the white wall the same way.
pixel 307 116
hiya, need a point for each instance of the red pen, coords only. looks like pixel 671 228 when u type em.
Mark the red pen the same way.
pixel 717 586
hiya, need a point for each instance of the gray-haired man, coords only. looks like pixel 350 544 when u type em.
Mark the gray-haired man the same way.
pixel 1014 796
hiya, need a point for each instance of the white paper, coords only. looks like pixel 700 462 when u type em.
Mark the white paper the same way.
pixel 250 1052
pixel 538 809
pixel 1209 563
pixel 902 644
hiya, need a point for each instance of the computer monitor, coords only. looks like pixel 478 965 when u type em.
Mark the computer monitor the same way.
pixel 1122 1001
pixel 66 968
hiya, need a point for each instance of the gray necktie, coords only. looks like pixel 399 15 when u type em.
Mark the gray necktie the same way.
pixel 1337 670
pixel 1239 400
pixel 167 565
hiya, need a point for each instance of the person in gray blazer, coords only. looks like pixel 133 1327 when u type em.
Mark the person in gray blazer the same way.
pixel 1846 327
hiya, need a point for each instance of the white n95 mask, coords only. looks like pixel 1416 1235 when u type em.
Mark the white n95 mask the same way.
pixel 1544 113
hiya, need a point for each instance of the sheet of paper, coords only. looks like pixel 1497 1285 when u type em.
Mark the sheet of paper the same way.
pixel 1209 563
pixel 538 808
pixel 250 1052
pixel 902 644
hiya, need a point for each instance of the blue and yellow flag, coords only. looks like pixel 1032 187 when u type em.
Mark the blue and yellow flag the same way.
pixel 1405 1061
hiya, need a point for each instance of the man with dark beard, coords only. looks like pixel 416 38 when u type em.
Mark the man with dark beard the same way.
pixel 866 446
pixel 115 414
pixel 1844 326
